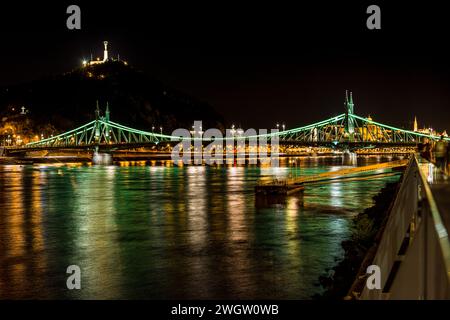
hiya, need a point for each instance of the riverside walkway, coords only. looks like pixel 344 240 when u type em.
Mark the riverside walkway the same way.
pixel 412 250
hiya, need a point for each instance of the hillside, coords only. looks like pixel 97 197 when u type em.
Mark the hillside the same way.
pixel 135 99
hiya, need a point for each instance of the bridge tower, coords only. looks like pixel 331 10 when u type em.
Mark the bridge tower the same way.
pixel 102 129
pixel 107 112
pixel 107 121
pixel 97 123
pixel 349 110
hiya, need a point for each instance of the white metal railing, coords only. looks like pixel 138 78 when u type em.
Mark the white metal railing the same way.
pixel 414 250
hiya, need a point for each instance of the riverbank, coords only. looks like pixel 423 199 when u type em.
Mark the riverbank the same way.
pixel 367 228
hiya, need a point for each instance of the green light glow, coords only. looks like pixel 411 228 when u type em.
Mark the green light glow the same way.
pixel 146 133
pixel 65 134
pixel 110 124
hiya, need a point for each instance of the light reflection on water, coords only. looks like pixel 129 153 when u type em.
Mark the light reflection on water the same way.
pixel 163 231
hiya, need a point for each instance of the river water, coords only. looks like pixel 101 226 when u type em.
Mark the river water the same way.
pixel 155 231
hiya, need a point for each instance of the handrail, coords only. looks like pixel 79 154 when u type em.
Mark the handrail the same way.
pixel 413 253
pixel 439 227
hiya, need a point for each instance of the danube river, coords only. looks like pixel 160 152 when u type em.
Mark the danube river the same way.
pixel 156 231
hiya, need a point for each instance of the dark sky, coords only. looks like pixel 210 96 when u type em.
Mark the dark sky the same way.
pixel 257 64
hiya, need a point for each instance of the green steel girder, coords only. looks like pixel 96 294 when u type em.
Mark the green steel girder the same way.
pixel 335 129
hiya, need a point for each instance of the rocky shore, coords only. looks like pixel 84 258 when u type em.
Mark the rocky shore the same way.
pixel 366 231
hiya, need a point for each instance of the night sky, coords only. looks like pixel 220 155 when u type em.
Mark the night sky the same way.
pixel 256 64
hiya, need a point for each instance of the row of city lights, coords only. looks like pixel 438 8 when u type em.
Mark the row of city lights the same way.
pixel 239 130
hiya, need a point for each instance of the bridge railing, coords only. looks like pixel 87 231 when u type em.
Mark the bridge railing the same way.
pixel 414 250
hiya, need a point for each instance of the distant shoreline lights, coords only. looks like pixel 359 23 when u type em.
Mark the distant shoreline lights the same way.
pixel 237 147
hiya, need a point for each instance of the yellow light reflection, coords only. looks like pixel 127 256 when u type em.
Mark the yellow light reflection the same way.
pixel 196 181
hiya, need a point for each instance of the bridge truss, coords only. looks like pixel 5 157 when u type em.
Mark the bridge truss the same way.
pixel 343 128
pixel 98 132
pixel 354 129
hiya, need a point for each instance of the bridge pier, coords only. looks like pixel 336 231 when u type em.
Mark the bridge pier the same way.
pixel 349 158
pixel 102 158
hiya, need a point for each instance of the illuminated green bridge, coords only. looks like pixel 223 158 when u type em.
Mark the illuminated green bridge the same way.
pixel 344 130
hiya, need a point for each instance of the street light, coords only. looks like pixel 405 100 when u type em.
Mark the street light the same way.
pixel 160 129
pixel 278 125
pixel 284 126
